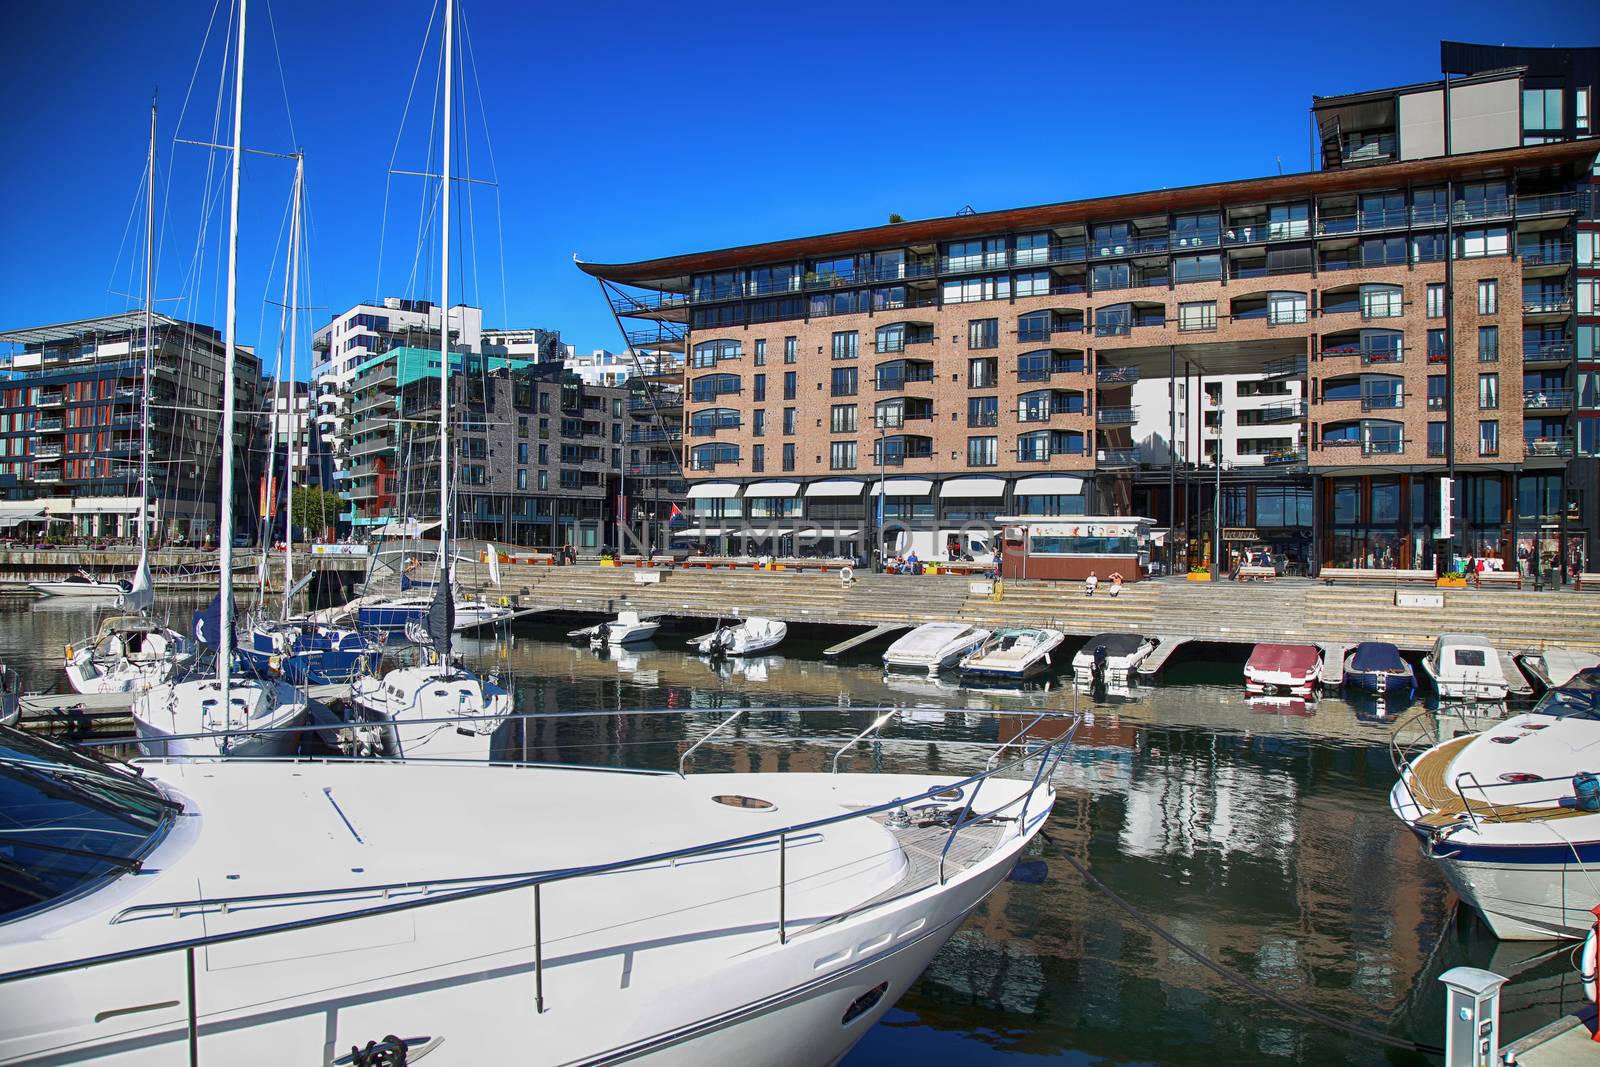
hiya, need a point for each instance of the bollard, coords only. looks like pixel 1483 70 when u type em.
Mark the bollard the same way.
pixel 1472 1017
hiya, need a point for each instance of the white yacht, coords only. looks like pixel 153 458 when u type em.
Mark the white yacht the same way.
pixel 667 918
pixel 1013 653
pixel 1110 658
pixel 408 708
pixel 743 638
pixel 1512 817
pixel 129 654
pixel 83 585
pixel 934 645
pixel 628 628
pixel 1465 667
pixel 1555 666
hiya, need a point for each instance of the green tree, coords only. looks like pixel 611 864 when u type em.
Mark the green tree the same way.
pixel 315 510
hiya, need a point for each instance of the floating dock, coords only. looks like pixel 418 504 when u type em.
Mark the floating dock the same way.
pixel 863 638
pixel 1166 645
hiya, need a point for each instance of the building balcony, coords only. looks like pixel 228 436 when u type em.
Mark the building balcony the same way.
pixel 47 451
pixel 129 395
pixel 1547 204
pixel 1546 399
pixel 51 425
pixel 1495 207
pixel 1549 446
pixel 47 476
pixel 893 383
pixel 51 400
pixel 1117 375
pixel 1112 458
pixel 1288 411
pixel 124 448
pixel 1392 401
pixel 637 436
pixel 127 419
pixel 1276 369
pixel 1547 352
pixel 653 470
pixel 1284 457
pixel 1546 305
pixel 711 429
pixel 1545 255
pixel 1116 416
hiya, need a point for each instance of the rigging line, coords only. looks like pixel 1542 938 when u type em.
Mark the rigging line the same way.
pixel 183 110
pixel 133 212
pixel 1295 1007
pixel 494 167
pixel 288 112
pixel 266 285
pixel 394 153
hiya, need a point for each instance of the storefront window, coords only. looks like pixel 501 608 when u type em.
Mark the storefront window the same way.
pixel 1385 502
pixel 1346 503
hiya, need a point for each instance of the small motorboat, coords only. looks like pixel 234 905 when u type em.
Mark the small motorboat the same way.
pixel 1110 658
pixel 934 645
pixel 1377 666
pixel 1465 667
pixel 626 629
pixel 129 654
pixel 1014 653
pixel 473 611
pixel 1556 666
pixel 82 584
pixel 755 634
pixel 1282 669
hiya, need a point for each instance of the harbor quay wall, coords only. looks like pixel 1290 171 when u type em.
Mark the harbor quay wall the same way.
pixel 1287 609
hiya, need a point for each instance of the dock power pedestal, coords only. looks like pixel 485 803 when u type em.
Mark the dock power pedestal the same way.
pixel 1472 1017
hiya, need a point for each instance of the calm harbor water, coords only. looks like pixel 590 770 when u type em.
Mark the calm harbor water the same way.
pixel 1260 834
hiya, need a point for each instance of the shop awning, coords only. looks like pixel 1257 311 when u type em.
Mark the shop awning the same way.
pixel 905 487
pixel 973 487
pixel 1049 485
pixel 713 490
pixel 755 489
pixel 115 505
pixel 836 487
pixel 12 519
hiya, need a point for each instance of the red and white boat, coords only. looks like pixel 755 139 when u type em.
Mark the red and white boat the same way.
pixel 1283 669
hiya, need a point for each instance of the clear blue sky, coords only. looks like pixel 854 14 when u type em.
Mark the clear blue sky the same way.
pixel 626 131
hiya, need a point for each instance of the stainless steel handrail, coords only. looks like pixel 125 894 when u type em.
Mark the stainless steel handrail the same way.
pixel 876 725
pixel 714 731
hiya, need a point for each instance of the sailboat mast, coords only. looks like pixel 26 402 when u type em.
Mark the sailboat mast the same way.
pixel 444 301
pixel 149 335
pixel 294 326
pixel 230 336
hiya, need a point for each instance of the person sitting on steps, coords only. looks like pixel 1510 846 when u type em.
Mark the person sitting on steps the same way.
pixel 1116 583
pixel 1090 583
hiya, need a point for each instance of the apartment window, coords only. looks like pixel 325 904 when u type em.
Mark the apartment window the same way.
pixel 1580 113
pixel 790 385
pixel 843 418
pixel 1199 315
pixel 1436 392
pixel 1488 391
pixel 1033 283
pixel 761 352
pixel 544 481
pixel 522 451
pixel 983 451
pixel 1488 296
pixel 1541 109
pixel 1491 241
pixel 983 411
pixel 983 333
pixel 788 456
pixel 845 381
pixel 1488 344
pixel 758 458
pixel 1286 308
pixel 1437 352
pixel 758 423
pixel 1489 438
pixel 1588 292
pixel 983 373
pixel 845 344
pixel 842 456
pixel 789 344
pixel 788 422
pixel 544 455
pixel 758 387
pixel 1382 302
pixel 1436 300
pixel 1588 248
pixel 1436 438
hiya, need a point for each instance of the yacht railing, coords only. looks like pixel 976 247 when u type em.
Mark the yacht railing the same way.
pixel 683 759
pixel 877 725
pixel 1048 751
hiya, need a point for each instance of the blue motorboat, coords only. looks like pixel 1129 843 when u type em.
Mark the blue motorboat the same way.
pixel 310 654
pixel 1378 667
pixel 395 613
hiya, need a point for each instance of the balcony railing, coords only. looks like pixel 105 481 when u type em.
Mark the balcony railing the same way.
pixel 1117 457
pixel 890 383
pixel 652 470
pixel 1284 368
pixel 1546 204
pixel 1547 350
pixel 1284 456
pixel 1549 446
pixel 1116 416
pixel 1546 399
pixel 1382 401
pixel 1132 245
pixel 1034 335
pixel 45 476
pixel 1383 446
pixel 1284 412
pixel 640 437
pixel 47 425
pixel 1546 305
pixel 1545 255
pixel 1117 375
pixel 51 400
pixel 710 429
pixel 51 451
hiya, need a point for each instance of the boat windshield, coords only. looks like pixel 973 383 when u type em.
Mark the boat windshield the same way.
pixel 68 822
pixel 1570 702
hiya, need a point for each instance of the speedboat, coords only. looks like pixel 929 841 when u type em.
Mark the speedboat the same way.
pixel 1282 669
pixel 1378 667
pixel 1556 666
pixel 626 629
pixel 129 654
pixel 325 905
pixel 307 653
pixel 1512 817
pixel 934 645
pixel 1014 652
pixel 743 638
pixel 1110 658
pixel 1465 667
pixel 82 584
pixel 473 611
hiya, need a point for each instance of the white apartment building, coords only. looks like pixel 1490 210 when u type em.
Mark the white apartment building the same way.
pixel 1258 420
pixel 534 345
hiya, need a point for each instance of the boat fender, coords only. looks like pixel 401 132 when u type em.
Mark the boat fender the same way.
pixel 69 654
pixel 275 663
pixel 1587 789
pixel 1586 965
pixel 846 575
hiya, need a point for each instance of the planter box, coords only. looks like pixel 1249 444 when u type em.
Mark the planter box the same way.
pixel 1453 582
pixel 1198 576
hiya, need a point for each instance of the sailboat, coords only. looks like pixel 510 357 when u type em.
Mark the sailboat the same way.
pixel 302 651
pixel 131 653
pixel 438 687
pixel 224 715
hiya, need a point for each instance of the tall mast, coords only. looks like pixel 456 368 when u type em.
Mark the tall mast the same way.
pixel 289 455
pixel 444 304
pixel 269 496
pixel 149 334
pixel 230 335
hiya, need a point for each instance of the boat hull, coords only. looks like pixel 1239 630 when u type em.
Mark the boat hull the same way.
pixel 386 617
pixel 1378 681
pixel 77 590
